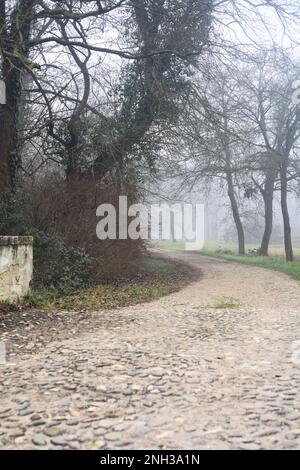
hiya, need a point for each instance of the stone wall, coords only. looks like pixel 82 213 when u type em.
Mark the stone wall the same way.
pixel 16 267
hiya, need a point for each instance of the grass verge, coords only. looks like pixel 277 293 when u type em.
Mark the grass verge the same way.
pixel 276 261
pixel 273 263
pixel 156 277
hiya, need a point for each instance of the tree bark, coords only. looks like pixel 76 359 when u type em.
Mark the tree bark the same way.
pixel 230 186
pixel 9 160
pixel 268 196
pixel 14 45
pixel 236 214
pixel 289 254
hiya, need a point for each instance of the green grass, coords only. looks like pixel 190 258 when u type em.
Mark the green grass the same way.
pixel 227 303
pixel 275 251
pixel 170 245
pixel 275 261
pixel 156 278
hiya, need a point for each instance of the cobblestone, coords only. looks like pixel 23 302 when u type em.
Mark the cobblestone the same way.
pixel 186 373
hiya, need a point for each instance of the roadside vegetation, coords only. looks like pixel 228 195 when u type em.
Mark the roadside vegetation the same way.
pixel 154 278
pixel 275 261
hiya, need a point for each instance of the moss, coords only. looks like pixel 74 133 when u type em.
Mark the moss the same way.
pixel 227 303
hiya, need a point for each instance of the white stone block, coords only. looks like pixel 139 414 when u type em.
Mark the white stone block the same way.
pixel 16 267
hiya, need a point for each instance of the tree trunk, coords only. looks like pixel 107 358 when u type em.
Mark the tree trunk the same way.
pixel 268 195
pixel 15 52
pixel 9 160
pixel 230 188
pixel 285 214
pixel 236 214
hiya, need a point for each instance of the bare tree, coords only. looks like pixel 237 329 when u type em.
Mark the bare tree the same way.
pixel 269 107
pixel 165 38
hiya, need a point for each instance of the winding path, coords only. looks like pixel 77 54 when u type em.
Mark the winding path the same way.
pixel 214 366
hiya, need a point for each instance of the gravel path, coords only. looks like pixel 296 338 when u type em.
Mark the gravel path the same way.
pixel 214 366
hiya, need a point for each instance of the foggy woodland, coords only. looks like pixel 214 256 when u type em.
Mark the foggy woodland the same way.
pixel 135 97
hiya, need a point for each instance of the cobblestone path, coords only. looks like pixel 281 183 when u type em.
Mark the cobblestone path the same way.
pixel 213 366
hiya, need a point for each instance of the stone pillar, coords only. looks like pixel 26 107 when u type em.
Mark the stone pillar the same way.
pixel 16 267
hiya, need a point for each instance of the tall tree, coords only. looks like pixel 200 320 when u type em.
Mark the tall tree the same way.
pixel 70 42
pixel 214 140
pixel 166 36
pixel 14 49
pixel 271 109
